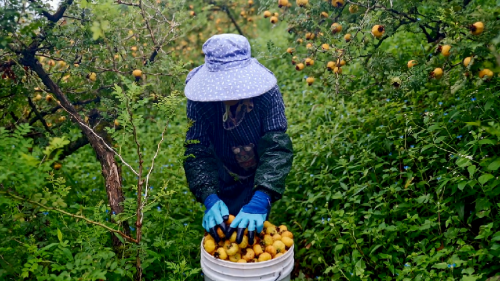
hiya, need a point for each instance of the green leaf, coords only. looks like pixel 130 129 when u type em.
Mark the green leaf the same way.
pixel 441 265
pixel 471 170
pixel 59 235
pixel 493 166
pixel 463 162
pixel 484 178
pixel 487 141
pixel 461 185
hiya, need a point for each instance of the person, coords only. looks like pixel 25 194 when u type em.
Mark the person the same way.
pixel 238 152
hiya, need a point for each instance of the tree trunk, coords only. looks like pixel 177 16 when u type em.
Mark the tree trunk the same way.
pixel 110 169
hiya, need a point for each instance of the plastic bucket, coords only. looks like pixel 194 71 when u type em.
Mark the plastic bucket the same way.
pixel 278 269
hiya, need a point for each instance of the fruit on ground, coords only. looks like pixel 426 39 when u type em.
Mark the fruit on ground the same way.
pixel 272 229
pixel 57 166
pixel 302 3
pixel 485 72
pixel 445 50
pixel 347 37
pixel 221 254
pixel 467 61
pixel 209 246
pixel 477 28
pixel 338 3
pixel 279 246
pixel 309 81
pixel 299 66
pixel 282 3
pixel 248 254
pixel 353 9
pixel 378 30
pixel 287 241
pixel 137 73
pixel 412 63
pixel 437 73
pixel 274 19
pixel 232 249
pixel 267 14
pixel 235 258
pixel 93 76
pixel 336 28
pixel 257 249
pixel 265 257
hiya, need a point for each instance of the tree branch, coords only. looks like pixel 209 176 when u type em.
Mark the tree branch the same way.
pixel 39 117
pixel 226 9
pixel 73 146
pixel 58 14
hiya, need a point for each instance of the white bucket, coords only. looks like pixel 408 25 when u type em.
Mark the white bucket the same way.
pixel 278 269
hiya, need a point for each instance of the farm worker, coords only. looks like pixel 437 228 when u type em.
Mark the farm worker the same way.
pixel 239 152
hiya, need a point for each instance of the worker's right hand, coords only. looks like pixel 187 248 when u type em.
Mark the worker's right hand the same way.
pixel 216 214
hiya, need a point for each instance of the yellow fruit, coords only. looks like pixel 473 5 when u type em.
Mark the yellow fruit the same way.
pixel 445 50
pixel 325 47
pixel 268 240
pixel 220 233
pixel 230 219
pixel 338 3
pixel 250 2
pixel 57 166
pixel 248 254
pixel 243 14
pixel 347 37
pixel 62 119
pixel 61 64
pixel 272 229
pixel 137 73
pixel 302 3
pixel 49 98
pixel 310 36
pixel 278 255
pixel 76 64
pixel 467 61
pixel 117 123
pixel 271 250
pixel 282 3
pixel 51 63
pixel 276 236
pixel 276 14
pixel 353 9
pixel 267 14
pixel 299 66
pixel 37 97
pixel 209 237
pixel 134 49
pixel 265 257
pixel 235 258
pixel 221 254
pixel 92 76
pixel 412 63
pixel 244 242
pixel 241 261
pixel 378 30
pixel 287 241
pixel 209 246
pixel 324 14
pixel 274 19
pixel 279 246
pixel 486 72
pixel 437 73
pixel 257 249
pixel 309 46
pixel 233 237
pixel 330 65
pixel 337 70
pixel 477 28
pixel 232 249
pixel 290 50
pixel 299 41
pixel 340 62
pixel 336 28
pixel 309 81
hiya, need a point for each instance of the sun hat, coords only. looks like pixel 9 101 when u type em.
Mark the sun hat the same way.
pixel 229 72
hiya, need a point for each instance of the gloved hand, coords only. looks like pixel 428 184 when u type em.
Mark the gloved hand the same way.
pixel 252 215
pixel 216 213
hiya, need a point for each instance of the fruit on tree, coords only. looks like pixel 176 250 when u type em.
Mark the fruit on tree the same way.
pixel 445 50
pixel 274 19
pixel 338 3
pixel 92 76
pixel 477 28
pixel 353 9
pixel 336 28
pixel 49 98
pixel 330 65
pixel 302 3
pixel 116 122
pixel 272 229
pixel 267 14
pixel 467 61
pixel 437 73
pixel 309 46
pixel 324 14
pixel 337 70
pixel 299 66
pixel 37 97
pixel 485 72
pixel 310 36
pixel 294 60
pixel 276 14
pixel 347 37
pixel 57 166
pixel 62 119
pixel 412 63
pixel 378 30
pixel 51 63
pixel 282 3
pixel 310 81
pixel 340 62
pixel 133 48
pixel 137 73
pixel 290 51
pixel 299 41
pixel 325 47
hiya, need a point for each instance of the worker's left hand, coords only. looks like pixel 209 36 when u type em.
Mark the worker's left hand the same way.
pixel 251 216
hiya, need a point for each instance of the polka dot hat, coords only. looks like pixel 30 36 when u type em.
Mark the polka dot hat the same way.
pixel 229 72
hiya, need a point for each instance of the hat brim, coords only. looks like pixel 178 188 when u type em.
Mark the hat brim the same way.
pixel 246 82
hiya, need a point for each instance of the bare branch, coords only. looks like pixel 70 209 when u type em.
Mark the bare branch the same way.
pixel 39 117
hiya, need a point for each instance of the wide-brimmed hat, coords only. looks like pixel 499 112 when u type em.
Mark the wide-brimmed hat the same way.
pixel 229 72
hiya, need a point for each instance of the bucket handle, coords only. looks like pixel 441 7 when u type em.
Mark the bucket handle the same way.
pixel 279 274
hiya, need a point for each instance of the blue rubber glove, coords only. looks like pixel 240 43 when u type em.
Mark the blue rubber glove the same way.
pixel 216 214
pixel 252 215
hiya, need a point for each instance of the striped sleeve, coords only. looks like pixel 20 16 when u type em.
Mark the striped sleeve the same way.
pixel 273 114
